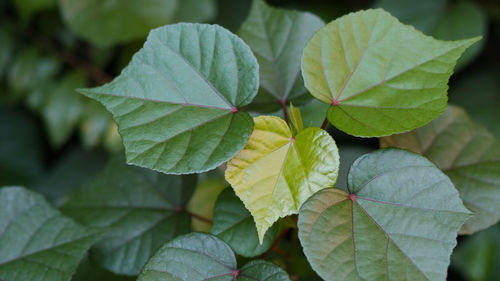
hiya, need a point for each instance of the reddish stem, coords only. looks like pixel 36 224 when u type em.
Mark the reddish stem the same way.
pixel 200 218
pixel 285 113
pixel 325 123
pixel 280 237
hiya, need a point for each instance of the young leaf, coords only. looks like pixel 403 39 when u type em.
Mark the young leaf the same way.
pixel 107 22
pixel 277 37
pixel 276 172
pixel 232 221
pixel 36 241
pixel 399 221
pixel 468 154
pixel 199 256
pixel 296 119
pixel 380 76
pixel 141 208
pixel 176 103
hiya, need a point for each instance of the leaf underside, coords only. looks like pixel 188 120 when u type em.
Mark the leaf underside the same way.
pixel 36 241
pixel 399 221
pixel 138 206
pixel 200 256
pixel 176 103
pixel 275 173
pixel 468 154
pixel 380 76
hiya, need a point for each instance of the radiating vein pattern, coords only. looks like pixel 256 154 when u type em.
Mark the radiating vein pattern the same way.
pixel 468 154
pixel 277 38
pixel 200 256
pixel 141 210
pixel 276 172
pixel 36 241
pixel 176 103
pixel 379 75
pixel 399 222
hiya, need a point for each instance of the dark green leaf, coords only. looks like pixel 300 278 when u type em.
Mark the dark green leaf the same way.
pixel 21 149
pixel 234 224
pixel 277 38
pixel 107 22
pixel 36 241
pixel 27 8
pixel 468 154
pixel 176 104
pixel 198 257
pixel 399 221
pixel 141 208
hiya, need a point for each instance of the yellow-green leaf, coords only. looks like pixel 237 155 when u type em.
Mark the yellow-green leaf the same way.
pixel 276 172
pixel 379 75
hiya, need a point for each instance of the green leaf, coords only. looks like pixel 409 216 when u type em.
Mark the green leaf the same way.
pixel 478 257
pixel 277 38
pixel 21 152
pixel 71 171
pixel 198 256
pixel 423 15
pixel 36 241
pixel 6 48
pixel 380 76
pixel 142 210
pixel 176 104
pixel 27 8
pixel 232 221
pixel 314 113
pixel 196 11
pixel 276 172
pixel 296 119
pixel 399 221
pixel 29 68
pixel 462 20
pixel 108 22
pixel 468 154
pixel 60 106
pixel 484 104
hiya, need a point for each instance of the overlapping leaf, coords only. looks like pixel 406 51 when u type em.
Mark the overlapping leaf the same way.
pixel 380 76
pixel 276 172
pixel 277 38
pixel 176 104
pixel 398 221
pixel 198 257
pixel 232 221
pixel 468 154
pixel 107 22
pixel 36 241
pixel 142 210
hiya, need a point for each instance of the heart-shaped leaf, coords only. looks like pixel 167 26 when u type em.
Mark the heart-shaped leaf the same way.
pixel 233 221
pixel 468 154
pixel 199 256
pixel 278 37
pixel 176 103
pixel 275 173
pixel 142 210
pixel 399 221
pixel 107 22
pixel 380 76
pixel 36 241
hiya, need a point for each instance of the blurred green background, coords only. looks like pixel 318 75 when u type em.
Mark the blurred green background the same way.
pixel 54 140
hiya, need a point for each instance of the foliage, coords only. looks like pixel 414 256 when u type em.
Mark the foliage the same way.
pixel 135 129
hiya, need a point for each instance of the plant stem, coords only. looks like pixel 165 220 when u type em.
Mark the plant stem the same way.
pixel 280 237
pixel 285 113
pixel 200 218
pixel 325 123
